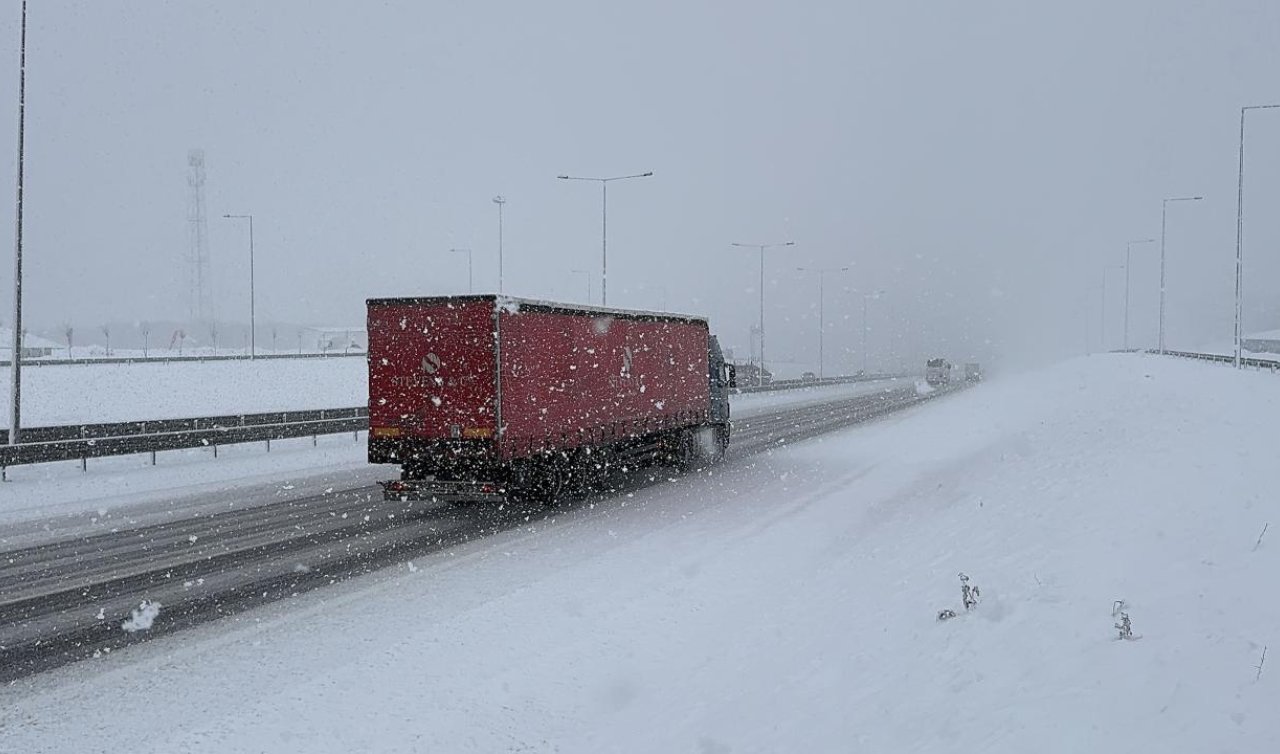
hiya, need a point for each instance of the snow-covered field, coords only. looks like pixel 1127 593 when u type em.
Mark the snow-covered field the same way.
pixel 788 603
pixel 74 394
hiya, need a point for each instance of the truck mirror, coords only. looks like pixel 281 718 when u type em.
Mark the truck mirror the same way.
pixel 731 375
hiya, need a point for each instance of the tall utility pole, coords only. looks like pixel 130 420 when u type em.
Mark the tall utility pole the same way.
pixel 201 299
pixel 604 224
pixel 822 320
pixel 253 320
pixel 471 285
pixel 15 409
pixel 1240 232
pixel 500 201
pixel 1164 211
pixel 1127 249
pixel 762 247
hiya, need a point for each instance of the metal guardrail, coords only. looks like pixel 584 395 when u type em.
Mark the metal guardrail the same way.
pixel 45 362
pixel 81 442
pixel 85 441
pixel 813 382
pixel 1270 365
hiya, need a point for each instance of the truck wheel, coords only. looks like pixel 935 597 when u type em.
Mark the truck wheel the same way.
pixel 539 483
pixel 722 442
pixel 700 447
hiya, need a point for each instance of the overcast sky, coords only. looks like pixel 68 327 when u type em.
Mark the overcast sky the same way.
pixel 979 162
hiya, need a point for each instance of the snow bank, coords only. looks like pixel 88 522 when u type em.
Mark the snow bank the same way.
pixel 789 603
pixel 88 393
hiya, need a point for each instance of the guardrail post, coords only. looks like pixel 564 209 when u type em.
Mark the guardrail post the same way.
pixel 215 450
pixel 313 441
pixel 268 444
pixel 84 463
pixel 153 458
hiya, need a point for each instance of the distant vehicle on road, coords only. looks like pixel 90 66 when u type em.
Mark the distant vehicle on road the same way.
pixel 937 372
pixel 810 376
pixel 972 372
pixel 750 374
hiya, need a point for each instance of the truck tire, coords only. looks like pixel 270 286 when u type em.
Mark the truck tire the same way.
pixel 538 482
pixel 701 446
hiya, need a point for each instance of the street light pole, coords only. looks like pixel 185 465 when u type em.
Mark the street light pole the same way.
pixel 1127 249
pixel 822 320
pixel 500 201
pixel 253 328
pixel 604 224
pixel 471 288
pixel 1164 211
pixel 762 247
pixel 15 363
pixel 1240 231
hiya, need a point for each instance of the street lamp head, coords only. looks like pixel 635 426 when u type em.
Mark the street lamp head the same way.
pixel 563 177
pixel 646 175
pixel 499 199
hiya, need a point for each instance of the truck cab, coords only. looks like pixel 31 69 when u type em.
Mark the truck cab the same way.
pixel 937 372
pixel 721 377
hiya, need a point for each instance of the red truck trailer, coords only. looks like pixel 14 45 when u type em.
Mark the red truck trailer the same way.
pixel 487 398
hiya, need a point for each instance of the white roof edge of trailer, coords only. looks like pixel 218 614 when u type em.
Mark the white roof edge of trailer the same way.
pixel 515 302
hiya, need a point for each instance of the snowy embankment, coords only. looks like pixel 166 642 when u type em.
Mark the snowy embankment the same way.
pixel 90 393
pixel 787 602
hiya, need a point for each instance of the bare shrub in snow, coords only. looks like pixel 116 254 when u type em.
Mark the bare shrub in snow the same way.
pixel 969 594
pixel 1258 544
pixel 1261 662
pixel 1125 627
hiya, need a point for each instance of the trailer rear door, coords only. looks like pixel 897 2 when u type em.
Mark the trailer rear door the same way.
pixel 431 368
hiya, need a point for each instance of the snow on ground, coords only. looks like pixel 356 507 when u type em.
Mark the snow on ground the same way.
pixel 788 602
pixel 51 500
pixel 89 393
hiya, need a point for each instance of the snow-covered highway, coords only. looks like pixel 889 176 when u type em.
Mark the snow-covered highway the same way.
pixel 788 602
pixel 63 599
